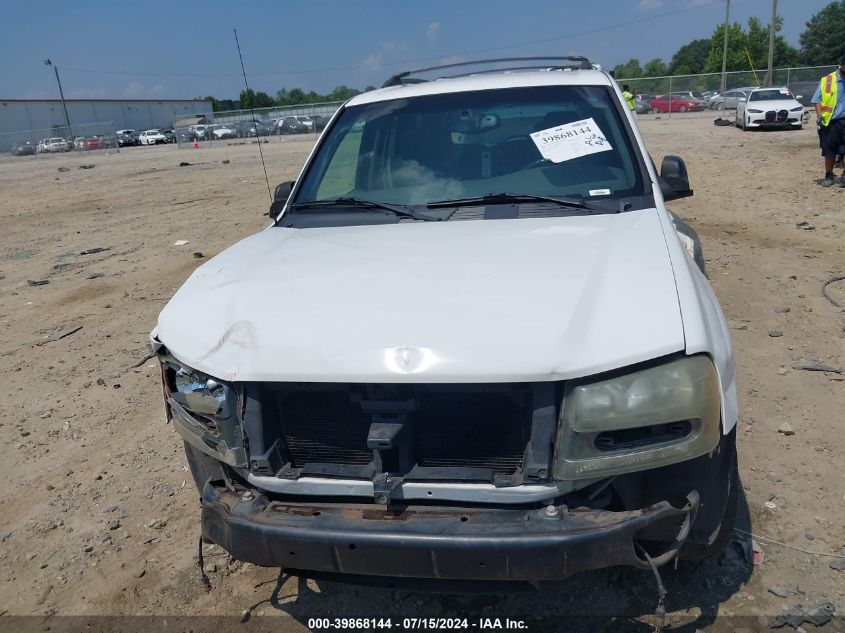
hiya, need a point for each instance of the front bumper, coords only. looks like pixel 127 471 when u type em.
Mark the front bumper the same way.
pixel 437 542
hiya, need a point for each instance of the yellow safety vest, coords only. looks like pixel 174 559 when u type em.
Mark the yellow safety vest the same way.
pixel 828 102
pixel 629 98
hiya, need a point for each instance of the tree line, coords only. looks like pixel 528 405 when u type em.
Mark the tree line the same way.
pixel 822 42
pixel 284 97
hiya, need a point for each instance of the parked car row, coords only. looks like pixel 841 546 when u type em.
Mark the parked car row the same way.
pixel 154 136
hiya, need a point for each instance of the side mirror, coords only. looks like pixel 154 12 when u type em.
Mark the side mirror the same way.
pixel 280 198
pixel 673 179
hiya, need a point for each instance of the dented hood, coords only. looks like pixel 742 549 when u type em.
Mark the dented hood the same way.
pixel 462 301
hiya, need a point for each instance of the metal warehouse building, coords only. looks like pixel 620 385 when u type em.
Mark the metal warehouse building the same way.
pixel 32 119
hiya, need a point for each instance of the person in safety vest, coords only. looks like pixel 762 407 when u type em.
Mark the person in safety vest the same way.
pixel 630 99
pixel 829 101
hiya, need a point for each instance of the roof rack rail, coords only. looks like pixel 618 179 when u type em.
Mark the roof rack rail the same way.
pixel 575 61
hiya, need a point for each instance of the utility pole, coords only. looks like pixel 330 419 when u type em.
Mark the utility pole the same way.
pixel 725 46
pixel 47 62
pixel 770 71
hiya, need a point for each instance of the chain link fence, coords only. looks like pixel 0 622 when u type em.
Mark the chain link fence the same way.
pixel 60 139
pixel 230 125
pixel 706 88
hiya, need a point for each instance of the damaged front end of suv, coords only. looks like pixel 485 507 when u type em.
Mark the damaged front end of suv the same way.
pixel 410 376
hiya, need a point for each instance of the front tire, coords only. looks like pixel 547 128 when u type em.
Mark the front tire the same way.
pixel 682 109
pixel 699 552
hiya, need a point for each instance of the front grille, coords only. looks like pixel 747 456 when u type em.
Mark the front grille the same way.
pixel 479 428
pixel 325 428
pixel 782 116
pixel 476 430
pixel 771 115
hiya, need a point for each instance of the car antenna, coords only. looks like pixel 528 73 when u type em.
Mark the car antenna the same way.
pixel 254 122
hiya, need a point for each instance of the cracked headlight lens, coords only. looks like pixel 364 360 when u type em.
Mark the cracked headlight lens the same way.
pixel 198 393
pixel 638 421
pixel 208 406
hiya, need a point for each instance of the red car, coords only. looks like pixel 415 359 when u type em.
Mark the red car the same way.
pixel 663 103
pixel 89 142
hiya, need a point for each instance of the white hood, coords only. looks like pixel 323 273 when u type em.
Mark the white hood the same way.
pixel 462 301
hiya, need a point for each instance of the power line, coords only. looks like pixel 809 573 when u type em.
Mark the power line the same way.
pixel 408 62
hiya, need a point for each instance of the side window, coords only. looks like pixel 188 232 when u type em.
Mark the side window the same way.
pixel 341 174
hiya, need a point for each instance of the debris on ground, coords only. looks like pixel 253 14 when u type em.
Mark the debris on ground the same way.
pixel 827 296
pixel 785 429
pixel 782 310
pixel 63 169
pixel 180 242
pixel 88 166
pixel 226 162
pixel 95 275
pixel 92 251
pixel 806 226
pixel 184 164
pixel 60 335
pixel 799 614
pixel 37 282
pixel 780 592
pixel 198 255
pixel 775 333
pixel 816 365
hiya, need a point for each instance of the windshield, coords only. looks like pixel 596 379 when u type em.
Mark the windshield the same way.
pixel 545 140
pixel 770 95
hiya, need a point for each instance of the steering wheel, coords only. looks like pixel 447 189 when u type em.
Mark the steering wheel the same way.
pixel 535 162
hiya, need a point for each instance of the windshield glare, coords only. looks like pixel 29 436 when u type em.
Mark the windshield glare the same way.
pixel 467 144
pixel 770 95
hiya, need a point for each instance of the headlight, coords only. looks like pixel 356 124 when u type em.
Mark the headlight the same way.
pixel 798 109
pixel 755 111
pixel 642 420
pixel 204 411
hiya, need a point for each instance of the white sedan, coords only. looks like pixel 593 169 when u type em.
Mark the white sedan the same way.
pixel 769 107
pixel 152 137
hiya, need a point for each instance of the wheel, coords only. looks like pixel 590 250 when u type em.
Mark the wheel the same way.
pixel 682 109
pixel 653 110
pixel 720 106
pixel 698 552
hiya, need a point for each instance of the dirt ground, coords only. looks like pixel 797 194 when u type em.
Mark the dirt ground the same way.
pixel 100 515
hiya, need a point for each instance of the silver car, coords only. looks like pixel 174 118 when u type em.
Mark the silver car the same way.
pixel 730 99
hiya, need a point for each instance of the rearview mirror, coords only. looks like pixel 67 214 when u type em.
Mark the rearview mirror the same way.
pixel 280 198
pixel 673 179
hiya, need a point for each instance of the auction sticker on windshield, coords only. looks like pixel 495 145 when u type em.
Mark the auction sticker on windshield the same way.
pixel 571 140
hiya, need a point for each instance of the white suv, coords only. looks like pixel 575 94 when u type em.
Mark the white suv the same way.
pixel 474 344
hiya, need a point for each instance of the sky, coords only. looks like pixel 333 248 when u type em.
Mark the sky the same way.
pixel 156 49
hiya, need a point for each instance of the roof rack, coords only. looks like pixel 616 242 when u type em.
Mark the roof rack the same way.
pixel 576 62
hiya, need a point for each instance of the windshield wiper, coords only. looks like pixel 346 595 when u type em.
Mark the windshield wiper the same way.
pixel 358 203
pixel 505 197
